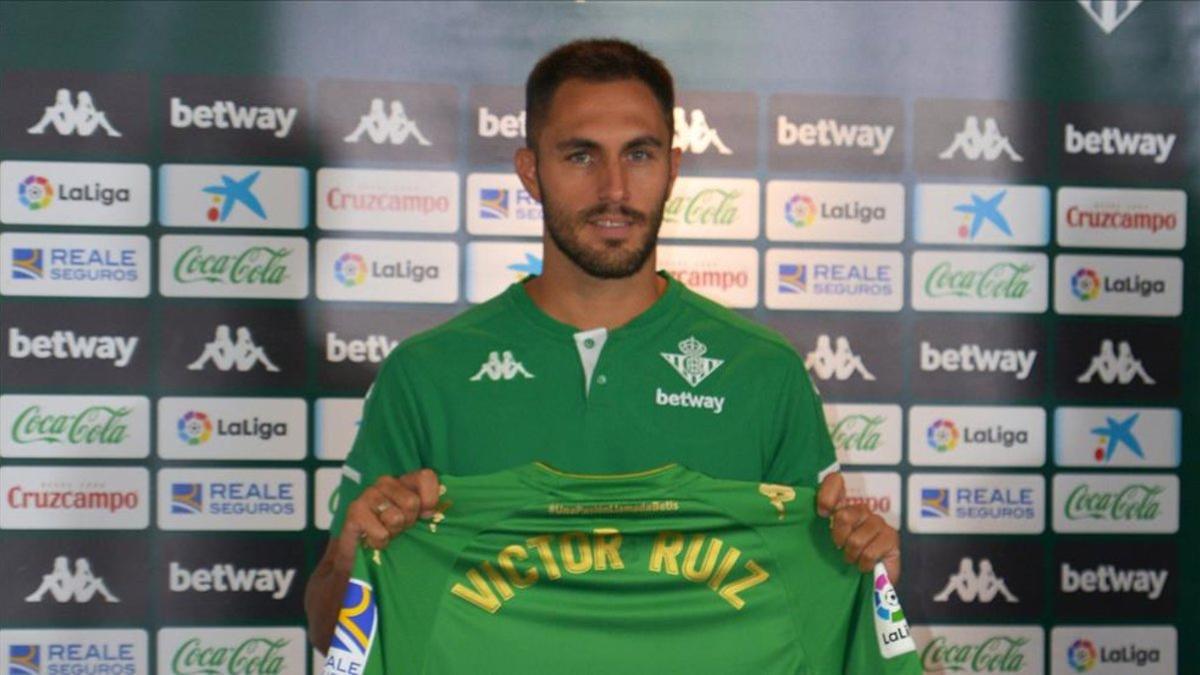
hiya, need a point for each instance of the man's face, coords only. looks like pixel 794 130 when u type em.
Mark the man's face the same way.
pixel 603 170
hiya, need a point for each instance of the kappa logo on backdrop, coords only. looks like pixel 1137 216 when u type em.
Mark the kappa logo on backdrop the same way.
pixel 1118 366
pixel 74 118
pixel 841 363
pixel 63 585
pixel 694 135
pixel 224 353
pixel 987 144
pixel 1109 14
pixel 394 127
pixel 971 586
pixel 501 367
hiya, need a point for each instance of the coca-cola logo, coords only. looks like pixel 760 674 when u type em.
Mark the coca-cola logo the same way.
pixel 252 656
pixel 1136 501
pixel 995 654
pixel 254 265
pixel 711 206
pixel 97 424
pixel 1001 280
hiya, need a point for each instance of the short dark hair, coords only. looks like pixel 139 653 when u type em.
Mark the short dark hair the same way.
pixel 595 60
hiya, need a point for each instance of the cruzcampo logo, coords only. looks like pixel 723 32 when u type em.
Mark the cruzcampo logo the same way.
pixel 857 433
pixel 1136 501
pixel 252 656
pixel 710 206
pixel 994 654
pixel 94 425
pixel 257 265
pixel 1003 280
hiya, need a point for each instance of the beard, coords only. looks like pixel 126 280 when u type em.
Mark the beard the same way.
pixel 609 260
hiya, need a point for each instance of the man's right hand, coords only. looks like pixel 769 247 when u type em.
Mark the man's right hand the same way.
pixel 382 511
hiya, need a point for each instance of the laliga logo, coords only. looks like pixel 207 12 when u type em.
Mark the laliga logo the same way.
pixel 350 270
pixel 942 435
pixel 194 428
pixel 800 210
pixel 1081 655
pixel 1085 284
pixel 35 192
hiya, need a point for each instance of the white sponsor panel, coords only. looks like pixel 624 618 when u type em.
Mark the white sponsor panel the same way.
pixel 74 498
pixel 1113 650
pixel 981 649
pixel 1117 437
pixel 498 204
pixel 387 201
pixel 983 503
pixel 1118 285
pixel 74 193
pixel 258 649
pixel 337 421
pixel 865 433
pixel 95 426
pixel 879 491
pixel 1122 218
pixel 233 267
pixel 945 281
pixel 834 279
pixel 981 215
pixel 711 208
pixel 214 195
pixel 79 265
pixel 232 428
pixel 77 650
pixel 232 499
pixel 1132 503
pixel 976 435
pixel 493 266
pixel 861 213
pixel 387 270
pixel 326 482
pixel 725 274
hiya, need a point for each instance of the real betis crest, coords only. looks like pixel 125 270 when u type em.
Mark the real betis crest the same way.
pixel 692 364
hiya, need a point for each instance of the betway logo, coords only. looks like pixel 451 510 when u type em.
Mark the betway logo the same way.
pixel 230 115
pixel 1111 579
pixel 687 399
pixel 227 578
pixel 508 126
pixel 972 358
pixel 65 344
pixel 831 133
pixel 1114 141
pixel 374 348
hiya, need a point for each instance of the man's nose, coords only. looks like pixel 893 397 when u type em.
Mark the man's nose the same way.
pixel 614 187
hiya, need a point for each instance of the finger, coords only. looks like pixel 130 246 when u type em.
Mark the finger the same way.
pixel 845 520
pixel 831 494
pixel 873 551
pixel 399 506
pixel 858 540
pixel 362 520
pixel 891 563
pixel 424 483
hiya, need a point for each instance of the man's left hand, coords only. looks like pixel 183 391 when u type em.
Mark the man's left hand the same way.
pixel 863 537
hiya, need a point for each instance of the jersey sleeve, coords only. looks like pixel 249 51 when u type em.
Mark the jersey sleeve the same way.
pixel 389 439
pixel 880 639
pixel 803 451
pixel 357 645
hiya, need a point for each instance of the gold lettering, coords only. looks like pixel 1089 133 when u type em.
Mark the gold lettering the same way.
pixel 607 544
pixel 542 544
pixel 501 585
pixel 730 591
pixel 727 563
pixel 505 559
pixel 575 565
pixel 481 595
pixel 690 571
pixel 667 547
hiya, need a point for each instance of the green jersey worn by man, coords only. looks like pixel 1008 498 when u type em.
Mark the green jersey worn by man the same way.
pixel 504 384
pixel 665 570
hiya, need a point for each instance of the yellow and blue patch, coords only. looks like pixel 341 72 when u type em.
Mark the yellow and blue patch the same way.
pixel 355 630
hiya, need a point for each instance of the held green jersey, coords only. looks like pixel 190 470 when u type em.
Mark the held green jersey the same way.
pixel 666 571
pixel 504 384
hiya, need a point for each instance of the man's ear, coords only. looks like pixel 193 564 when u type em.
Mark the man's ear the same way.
pixel 525 162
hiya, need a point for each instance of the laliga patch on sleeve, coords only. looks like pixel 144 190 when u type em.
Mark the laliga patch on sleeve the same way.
pixel 891 628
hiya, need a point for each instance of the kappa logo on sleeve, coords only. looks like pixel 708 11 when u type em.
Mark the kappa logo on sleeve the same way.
pixel 354 632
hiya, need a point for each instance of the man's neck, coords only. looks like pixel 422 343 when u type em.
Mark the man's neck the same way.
pixel 578 299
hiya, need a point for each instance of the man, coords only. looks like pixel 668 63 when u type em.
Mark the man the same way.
pixel 597 365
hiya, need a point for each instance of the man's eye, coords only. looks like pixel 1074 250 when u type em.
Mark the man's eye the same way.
pixel 640 155
pixel 579 158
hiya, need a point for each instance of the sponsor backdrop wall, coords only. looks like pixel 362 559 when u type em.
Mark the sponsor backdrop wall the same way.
pixel 971 219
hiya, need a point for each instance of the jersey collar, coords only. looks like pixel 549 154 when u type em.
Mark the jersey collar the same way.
pixel 663 307
pixel 546 476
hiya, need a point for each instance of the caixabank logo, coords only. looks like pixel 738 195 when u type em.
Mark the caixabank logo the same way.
pixel 46 344
pixel 998 139
pixel 1118 361
pixel 219 346
pixel 973 578
pixel 1118 285
pixel 75 112
pixel 1114 650
pixel 981 215
pixel 844 134
pixel 848 359
pixel 75 193
pixel 72 580
pixel 232 428
pixel 979 360
pixel 232 499
pixel 1110 579
pixel 1018 649
pixel 204 578
pixel 251 649
pixel 390 121
pixel 79 650
pixel 353 343
pixel 1103 438
pixel 1107 141
pixel 244 117
pixel 226 196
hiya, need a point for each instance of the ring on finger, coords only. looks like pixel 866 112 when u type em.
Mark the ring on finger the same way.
pixel 381 507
